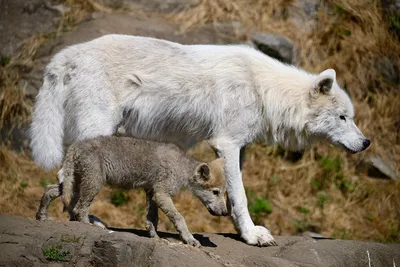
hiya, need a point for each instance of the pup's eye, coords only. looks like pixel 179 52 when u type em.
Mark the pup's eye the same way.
pixel 216 192
pixel 342 117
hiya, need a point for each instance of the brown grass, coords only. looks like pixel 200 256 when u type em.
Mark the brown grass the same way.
pixel 324 191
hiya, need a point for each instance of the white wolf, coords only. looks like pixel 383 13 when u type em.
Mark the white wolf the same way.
pixel 156 89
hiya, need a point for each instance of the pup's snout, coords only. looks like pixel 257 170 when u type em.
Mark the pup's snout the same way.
pixel 366 144
pixel 220 211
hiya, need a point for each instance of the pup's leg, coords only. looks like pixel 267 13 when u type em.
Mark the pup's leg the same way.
pixel 91 183
pixel 51 192
pixel 237 201
pixel 152 214
pixel 165 203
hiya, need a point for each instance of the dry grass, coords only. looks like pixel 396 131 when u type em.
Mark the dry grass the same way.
pixel 323 191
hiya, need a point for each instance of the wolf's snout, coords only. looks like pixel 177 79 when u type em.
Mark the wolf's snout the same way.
pixel 366 144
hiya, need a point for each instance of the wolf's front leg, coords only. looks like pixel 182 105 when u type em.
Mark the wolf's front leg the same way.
pixel 165 203
pixel 252 234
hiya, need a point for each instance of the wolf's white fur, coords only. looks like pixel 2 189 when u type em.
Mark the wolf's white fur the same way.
pixel 155 89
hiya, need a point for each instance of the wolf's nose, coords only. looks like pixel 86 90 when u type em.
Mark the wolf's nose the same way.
pixel 366 143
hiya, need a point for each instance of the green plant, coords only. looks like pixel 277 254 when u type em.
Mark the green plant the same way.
pixel 301 225
pixel 44 182
pixel 332 171
pixel 119 198
pixel 303 210
pixel 69 238
pixel 23 185
pixel 4 60
pixel 394 23
pixel 258 207
pixel 55 253
pixel 322 198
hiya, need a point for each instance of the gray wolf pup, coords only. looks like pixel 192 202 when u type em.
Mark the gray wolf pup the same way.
pixel 159 90
pixel 126 163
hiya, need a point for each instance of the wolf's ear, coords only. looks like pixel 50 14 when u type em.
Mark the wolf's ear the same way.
pixel 203 170
pixel 323 83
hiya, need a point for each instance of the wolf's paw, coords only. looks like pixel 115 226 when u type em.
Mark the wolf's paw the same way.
pixel 193 242
pixel 259 236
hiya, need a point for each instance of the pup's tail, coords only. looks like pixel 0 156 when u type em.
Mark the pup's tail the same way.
pixel 47 128
pixel 68 178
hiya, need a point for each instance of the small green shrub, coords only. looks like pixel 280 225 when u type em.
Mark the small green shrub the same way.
pixel 303 210
pixel 119 198
pixel 55 253
pixel 23 185
pixel 301 226
pixel 258 207
pixel 322 198
pixel 4 61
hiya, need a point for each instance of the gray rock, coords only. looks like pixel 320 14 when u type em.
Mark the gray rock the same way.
pixel 160 6
pixel 274 46
pixel 20 19
pixel 389 70
pixel 377 167
pixel 23 241
pixel 303 13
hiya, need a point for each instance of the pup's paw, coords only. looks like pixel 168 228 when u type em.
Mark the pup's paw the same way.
pixel 93 219
pixel 259 236
pixel 43 217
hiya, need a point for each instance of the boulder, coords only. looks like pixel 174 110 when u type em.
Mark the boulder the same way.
pixel 376 167
pixel 21 19
pixel 26 242
pixel 274 46
pixel 155 6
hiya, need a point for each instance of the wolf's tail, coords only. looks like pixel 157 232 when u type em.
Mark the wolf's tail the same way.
pixel 68 178
pixel 47 128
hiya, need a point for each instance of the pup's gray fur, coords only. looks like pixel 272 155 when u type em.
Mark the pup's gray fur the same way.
pixel 123 162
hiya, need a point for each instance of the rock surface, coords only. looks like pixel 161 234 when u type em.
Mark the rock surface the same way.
pixel 158 6
pixel 25 242
pixel 274 46
pixel 21 19
pixel 376 167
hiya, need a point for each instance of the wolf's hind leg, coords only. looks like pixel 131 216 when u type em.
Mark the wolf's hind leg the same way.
pixel 51 192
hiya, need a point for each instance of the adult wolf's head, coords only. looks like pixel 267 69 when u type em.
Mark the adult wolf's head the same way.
pixel 332 115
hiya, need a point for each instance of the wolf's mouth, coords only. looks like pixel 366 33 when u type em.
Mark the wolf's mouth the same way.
pixel 347 149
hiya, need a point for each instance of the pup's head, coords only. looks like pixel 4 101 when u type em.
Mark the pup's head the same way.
pixel 332 115
pixel 209 185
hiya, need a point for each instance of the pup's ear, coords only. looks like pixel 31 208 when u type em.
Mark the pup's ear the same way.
pixel 203 170
pixel 323 83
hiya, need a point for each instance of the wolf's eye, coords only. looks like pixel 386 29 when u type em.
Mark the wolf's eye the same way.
pixel 216 192
pixel 342 117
